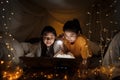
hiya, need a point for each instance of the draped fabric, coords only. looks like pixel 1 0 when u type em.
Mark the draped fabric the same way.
pixel 30 16
pixel 112 56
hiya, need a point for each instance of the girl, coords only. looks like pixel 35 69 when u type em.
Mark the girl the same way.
pixel 45 47
pixel 73 41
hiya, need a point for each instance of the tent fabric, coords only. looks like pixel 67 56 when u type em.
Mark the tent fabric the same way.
pixel 30 16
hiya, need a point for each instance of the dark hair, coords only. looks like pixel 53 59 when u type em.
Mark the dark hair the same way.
pixel 47 29
pixel 73 25
pixel 43 46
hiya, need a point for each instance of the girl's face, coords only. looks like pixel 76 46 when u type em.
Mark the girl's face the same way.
pixel 70 36
pixel 48 39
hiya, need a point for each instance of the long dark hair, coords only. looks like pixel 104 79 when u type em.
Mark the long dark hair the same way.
pixel 47 29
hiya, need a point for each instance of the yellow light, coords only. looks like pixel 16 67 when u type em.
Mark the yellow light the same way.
pixel 56 75
pixel 10 35
pixel 1 37
pixel 8 46
pixel 7 43
pixel 49 77
pixel 9 55
pixel 65 77
pixel 2 62
pixel 45 75
pixel 41 73
pixel 14 75
pixel 100 61
pixel 11 49
pixel 119 58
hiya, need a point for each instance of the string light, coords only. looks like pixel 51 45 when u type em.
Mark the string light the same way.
pixel 47 75
pixel 9 18
pixel 12 13
pixel 6 27
pixel 5 12
pixel 1 37
pixel 111 22
pixel 89 25
pixel 2 62
pixel 115 1
pixel 98 12
pixel 88 13
pixel 9 55
pixel 1 2
pixel 3 17
pixel 115 11
pixel 7 1
pixel 12 75
pixel 116 22
pixel 10 35
pixel 3 9
pixel 4 24
pixel 119 58
pixel 107 15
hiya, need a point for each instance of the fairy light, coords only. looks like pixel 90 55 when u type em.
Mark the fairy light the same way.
pixel 3 9
pixel 89 24
pixel 107 15
pixel 6 15
pixel 10 35
pixel 9 55
pixel 1 37
pixel 11 49
pixel 116 22
pixel 2 62
pixel 98 12
pixel 3 17
pixel 6 9
pixel 4 24
pixel 7 1
pixel 118 58
pixel 1 2
pixel 115 11
pixel 65 77
pixel 14 75
pixel 48 76
pixel 12 13
pixel 9 18
pixel 6 27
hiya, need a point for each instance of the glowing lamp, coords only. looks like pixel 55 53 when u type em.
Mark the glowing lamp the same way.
pixel 59 42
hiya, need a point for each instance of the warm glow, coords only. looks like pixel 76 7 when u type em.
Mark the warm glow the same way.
pixel 8 55
pixel 65 77
pixel 107 70
pixel 59 42
pixel 1 62
pixel 14 75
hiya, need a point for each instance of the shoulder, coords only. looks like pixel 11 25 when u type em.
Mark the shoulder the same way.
pixel 82 38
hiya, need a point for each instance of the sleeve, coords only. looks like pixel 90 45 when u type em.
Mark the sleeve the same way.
pixel 39 50
pixel 85 53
